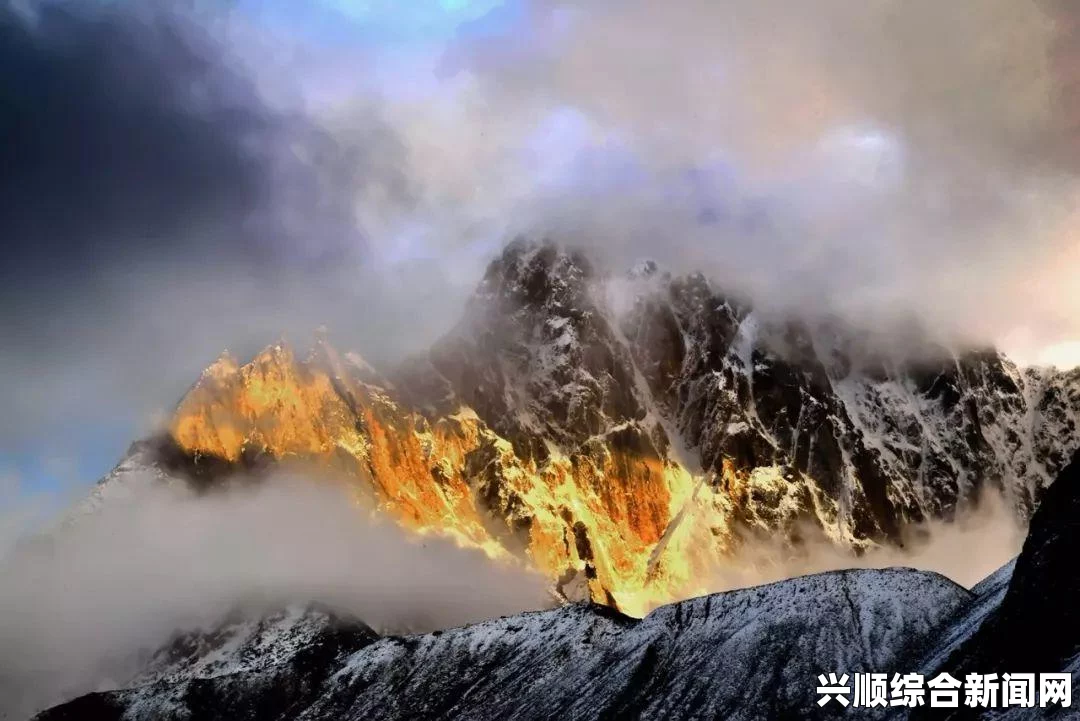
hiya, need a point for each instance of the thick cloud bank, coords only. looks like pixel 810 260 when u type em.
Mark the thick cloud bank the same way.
pixel 77 608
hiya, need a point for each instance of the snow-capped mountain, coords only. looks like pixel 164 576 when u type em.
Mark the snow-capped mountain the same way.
pixel 624 434
pixel 621 431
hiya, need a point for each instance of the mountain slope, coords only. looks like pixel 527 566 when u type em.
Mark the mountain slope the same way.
pixel 750 654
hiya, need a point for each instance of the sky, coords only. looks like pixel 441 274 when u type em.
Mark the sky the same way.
pixel 183 177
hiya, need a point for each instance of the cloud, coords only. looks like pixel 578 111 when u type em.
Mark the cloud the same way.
pixel 190 178
pixel 105 140
pixel 876 159
pixel 884 161
pixel 78 608
pixel 81 608
pixel 982 538
pixel 159 206
pixel 180 178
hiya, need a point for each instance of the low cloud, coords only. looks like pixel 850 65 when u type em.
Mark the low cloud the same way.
pixel 982 538
pixel 77 608
pixel 80 608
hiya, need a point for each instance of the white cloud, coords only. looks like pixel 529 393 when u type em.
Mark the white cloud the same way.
pixel 80 606
pixel 882 159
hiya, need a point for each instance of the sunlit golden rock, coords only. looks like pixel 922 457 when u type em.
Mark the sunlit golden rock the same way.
pixel 604 513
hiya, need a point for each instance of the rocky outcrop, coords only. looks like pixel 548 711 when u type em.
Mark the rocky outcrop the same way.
pixel 887 439
pixel 620 432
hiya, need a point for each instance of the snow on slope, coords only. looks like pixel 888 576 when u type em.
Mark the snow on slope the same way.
pixel 749 654
pixel 242 644
pixel 987 597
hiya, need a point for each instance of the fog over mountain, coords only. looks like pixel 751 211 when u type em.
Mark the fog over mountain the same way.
pixel 82 609
pixel 749 654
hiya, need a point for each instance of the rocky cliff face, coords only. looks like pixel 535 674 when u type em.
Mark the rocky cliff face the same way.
pixel 620 431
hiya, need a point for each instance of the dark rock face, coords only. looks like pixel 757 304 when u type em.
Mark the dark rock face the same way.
pixel 1038 626
pixel 896 442
pixel 751 654
pixel 554 353
pixel 662 407
pixel 535 356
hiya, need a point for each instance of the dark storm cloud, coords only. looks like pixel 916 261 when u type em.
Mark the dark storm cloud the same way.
pixel 127 127
pixel 119 133
pixel 155 209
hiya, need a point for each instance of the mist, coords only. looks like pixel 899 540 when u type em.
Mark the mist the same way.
pixel 985 534
pixel 81 607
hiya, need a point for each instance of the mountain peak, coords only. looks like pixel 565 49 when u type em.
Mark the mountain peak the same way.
pixel 225 365
pixel 536 274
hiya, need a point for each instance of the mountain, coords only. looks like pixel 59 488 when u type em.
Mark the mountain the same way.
pixel 624 432
pixel 742 655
